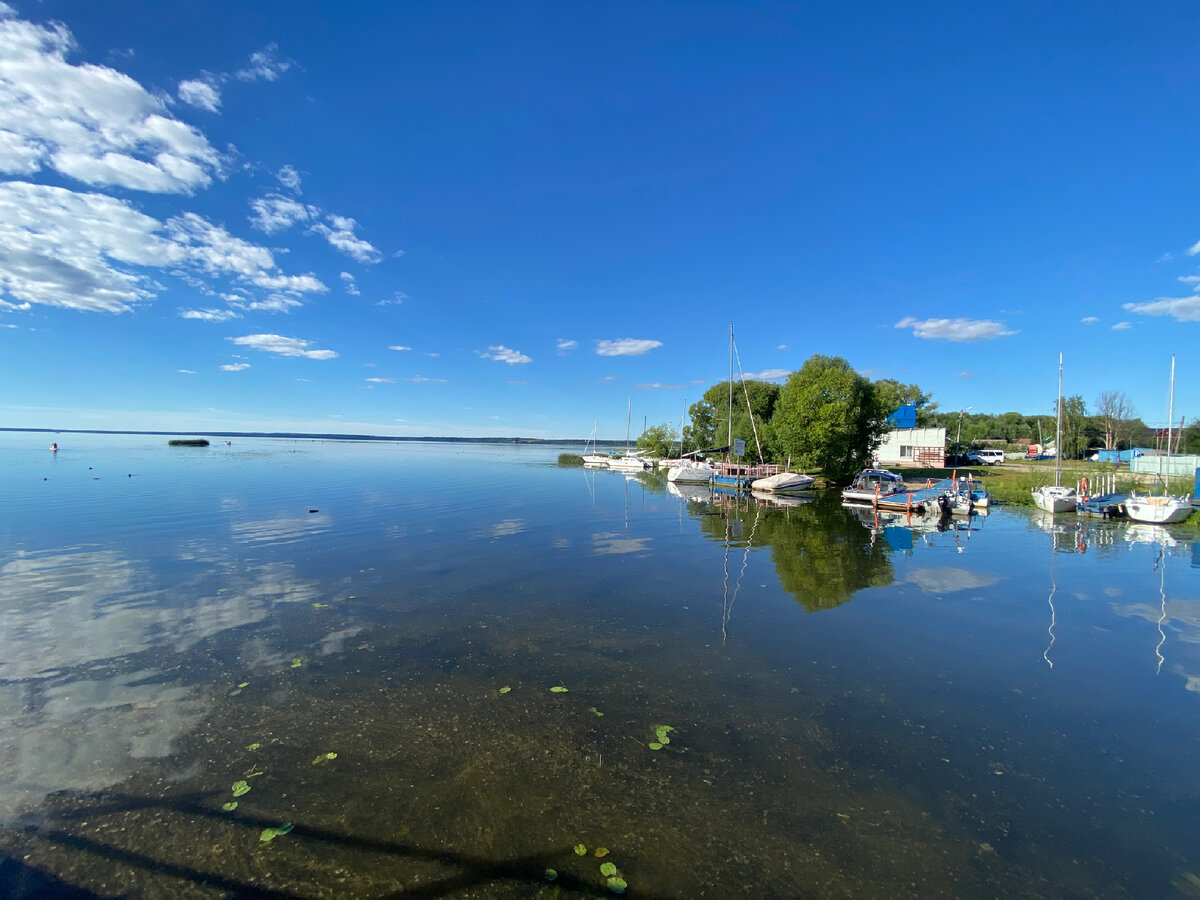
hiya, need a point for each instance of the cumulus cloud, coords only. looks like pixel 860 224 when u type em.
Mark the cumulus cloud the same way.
pixel 282 346
pixel 209 315
pixel 1181 309
pixel 276 212
pixel 89 122
pixel 959 330
pixel 340 234
pixel 565 346
pixel 1089 320
pixel 768 375
pixel 200 94
pixel 235 367
pixel 289 178
pixel 1122 326
pixel 500 353
pixel 625 347
pixel 349 283
pixel 264 65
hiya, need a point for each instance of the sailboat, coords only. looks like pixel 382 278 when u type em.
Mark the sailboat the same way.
pixel 594 458
pixel 689 471
pixel 1056 498
pixel 1162 509
pixel 630 462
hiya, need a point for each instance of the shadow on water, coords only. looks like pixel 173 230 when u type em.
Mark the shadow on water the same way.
pixel 530 870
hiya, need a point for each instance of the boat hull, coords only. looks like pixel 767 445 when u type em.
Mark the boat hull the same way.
pixel 1055 499
pixel 690 474
pixel 783 483
pixel 1157 510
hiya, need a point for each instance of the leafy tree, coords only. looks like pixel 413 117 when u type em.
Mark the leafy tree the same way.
pixel 829 417
pixel 893 394
pixel 657 440
pixel 1074 434
pixel 710 414
pixel 1189 440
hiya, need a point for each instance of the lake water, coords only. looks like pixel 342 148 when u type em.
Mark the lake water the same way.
pixel 366 640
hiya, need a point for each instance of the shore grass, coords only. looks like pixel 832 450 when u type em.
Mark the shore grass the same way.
pixel 570 459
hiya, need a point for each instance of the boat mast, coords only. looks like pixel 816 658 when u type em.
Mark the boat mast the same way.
pixel 1058 430
pixel 729 427
pixel 1170 415
pixel 628 416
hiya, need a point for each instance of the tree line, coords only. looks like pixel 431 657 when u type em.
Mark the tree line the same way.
pixel 828 417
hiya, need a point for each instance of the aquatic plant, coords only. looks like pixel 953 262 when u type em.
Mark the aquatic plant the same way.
pixel 570 459
pixel 581 850
pixel 269 834
pixel 558 689
pixel 240 788
pixel 187 442
pixel 230 806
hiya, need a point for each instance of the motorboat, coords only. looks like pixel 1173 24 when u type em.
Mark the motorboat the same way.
pixel 783 483
pixel 870 485
pixel 690 471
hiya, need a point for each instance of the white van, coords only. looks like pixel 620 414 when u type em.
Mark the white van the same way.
pixel 986 457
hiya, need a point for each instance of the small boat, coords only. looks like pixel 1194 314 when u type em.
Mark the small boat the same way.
pixel 1056 498
pixel 783 483
pixel 1108 504
pixel 690 471
pixel 630 462
pixel 594 458
pixel 871 485
pixel 1162 509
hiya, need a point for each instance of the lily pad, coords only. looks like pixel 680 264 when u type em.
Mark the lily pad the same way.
pixel 596 711
pixel 616 884
pixel 558 689
pixel 654 745
pixel 244 684
pixel 551 874
pixel 240 788
pixel 505 689
pixel 254 746
pixel 580 850
pixel 269 834
pixel 230 806
pixel 297 663
pixel 601 852
pixel 608 869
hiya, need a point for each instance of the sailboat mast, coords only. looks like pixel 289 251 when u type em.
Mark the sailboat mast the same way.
pixel 729 427
pixel 628 416
pixel 1058 430
pixel 1170 416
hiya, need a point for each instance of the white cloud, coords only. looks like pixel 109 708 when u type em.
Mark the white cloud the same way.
pixel 89 122
pixel 421 379
pixel 659 386
pixel 201 94
pixel 768 374
pixel 399 347
pixel 565 345
pixel 275 212
pixel 1181 309
pixel 289 178
pixel 275 303
pixel 625 347
pixel 349 283
pixel 965 373
pixel 1122 326
pixel 282 346
pixel 500 353
pixel 397 299
pixel 341 236
pixel 1089 320
pixel 234 367
pixel 209 315
pixel 781 346
pixel 1194 249
pixel 959 330
pixel 185 371
pixel 382 380
pixel 264 65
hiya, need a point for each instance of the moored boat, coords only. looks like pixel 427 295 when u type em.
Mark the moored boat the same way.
pixel 1162 509
pixel 783 483
pixel 1057 497
pixel 870 485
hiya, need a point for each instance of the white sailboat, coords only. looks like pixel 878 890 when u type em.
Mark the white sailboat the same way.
pixel 630 462
pixel 689 471
pixel 1056 498
pixel 1162 509
pixel 594 458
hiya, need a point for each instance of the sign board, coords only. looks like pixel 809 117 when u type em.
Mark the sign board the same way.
pixel 739 447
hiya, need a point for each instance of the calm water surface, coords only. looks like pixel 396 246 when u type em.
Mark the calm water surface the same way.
pixel 364 640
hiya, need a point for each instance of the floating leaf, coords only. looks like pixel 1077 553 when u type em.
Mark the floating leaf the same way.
pixel 558 689
pixel 244 684
pixel 617 884
pixel 596 711
pixel 505 689
pixel 320 606
pixel 551 874
pixel 240 787
pixel 601 852
pixel 297 663
pixel 230 806
pixel 654 745
pixel 608 868
pixel 331 756
pixel 269 834
pixel 580 850
pixel 253 746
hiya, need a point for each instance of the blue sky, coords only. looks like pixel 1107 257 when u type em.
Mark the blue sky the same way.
pixel 512 219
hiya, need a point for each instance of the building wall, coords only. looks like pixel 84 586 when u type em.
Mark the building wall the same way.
pixel 912 447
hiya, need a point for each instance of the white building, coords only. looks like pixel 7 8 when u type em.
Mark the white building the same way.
pixel 912 447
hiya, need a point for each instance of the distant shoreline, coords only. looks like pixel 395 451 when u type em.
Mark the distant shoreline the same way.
pixel 322 437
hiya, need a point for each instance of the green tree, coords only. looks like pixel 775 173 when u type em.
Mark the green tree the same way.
pixel 1189 441
pixel 710 414
pixel 1074 434
pixel 893 394
pixel 829 417
pixel 657 440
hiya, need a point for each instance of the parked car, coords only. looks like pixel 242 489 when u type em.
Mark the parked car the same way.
pixel 985 457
